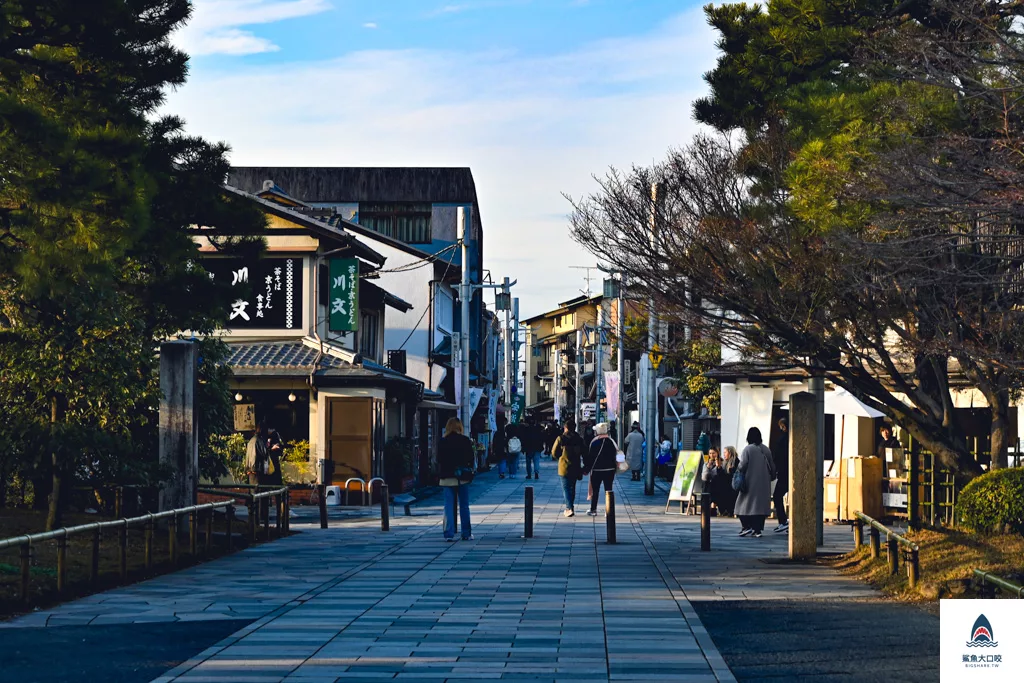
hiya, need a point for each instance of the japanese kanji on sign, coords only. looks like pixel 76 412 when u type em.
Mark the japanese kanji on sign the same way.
pixel 343 292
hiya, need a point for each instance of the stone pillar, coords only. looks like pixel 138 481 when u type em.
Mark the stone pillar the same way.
pixel 803 449
pixel 179 426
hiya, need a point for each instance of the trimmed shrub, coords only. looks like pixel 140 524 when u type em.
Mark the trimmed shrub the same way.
pixel 994 502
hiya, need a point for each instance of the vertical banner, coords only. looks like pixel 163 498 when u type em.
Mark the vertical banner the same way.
pixel 492 409
pixel 343 295
pixel 518 408
pixel 611 386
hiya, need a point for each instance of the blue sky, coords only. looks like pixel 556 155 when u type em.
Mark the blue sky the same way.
pixel 536 96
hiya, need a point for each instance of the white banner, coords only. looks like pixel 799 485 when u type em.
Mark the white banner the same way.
pixel 492 409
pixel 475 394
pixel 611 387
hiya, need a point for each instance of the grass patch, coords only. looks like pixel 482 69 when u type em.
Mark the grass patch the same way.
pixel 948 559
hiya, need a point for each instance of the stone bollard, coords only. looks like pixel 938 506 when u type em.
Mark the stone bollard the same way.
pixel 385 511
pixel 528 527
pixel 803 485
pixel 609 515
pixel 705 521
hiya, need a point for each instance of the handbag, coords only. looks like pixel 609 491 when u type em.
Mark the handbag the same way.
pixel 620 461
pixel 464 474
pixel 739 482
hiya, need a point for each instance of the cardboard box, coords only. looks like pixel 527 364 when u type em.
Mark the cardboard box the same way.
pixel 831 499
pixel 861 488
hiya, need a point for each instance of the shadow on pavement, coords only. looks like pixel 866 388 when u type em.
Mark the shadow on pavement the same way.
pixel 823 640
pixel 128 653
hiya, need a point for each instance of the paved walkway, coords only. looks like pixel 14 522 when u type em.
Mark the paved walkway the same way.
pixel 353 603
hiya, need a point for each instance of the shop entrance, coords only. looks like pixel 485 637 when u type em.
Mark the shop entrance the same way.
pixel 352 435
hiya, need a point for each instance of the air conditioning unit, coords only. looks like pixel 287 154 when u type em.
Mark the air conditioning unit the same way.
pixel 397 360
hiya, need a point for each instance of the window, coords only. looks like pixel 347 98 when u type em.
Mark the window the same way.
pixel 444 309
pixel 368 338
pixel 404 221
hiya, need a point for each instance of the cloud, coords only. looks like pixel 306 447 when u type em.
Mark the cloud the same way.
pixel 530 127
pixel 215 27
pixel 370 24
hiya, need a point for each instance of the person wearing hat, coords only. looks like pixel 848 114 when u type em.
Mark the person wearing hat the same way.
pixel 634 447
pixel 600 463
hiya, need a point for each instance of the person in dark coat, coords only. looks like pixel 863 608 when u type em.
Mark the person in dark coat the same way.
pixel 717 478
pixel 551 434
pixel 600 463
pixel 780 454
pixel 455 463
pixel 499 449
pixel 754 503
pixel 533 445
pixel 568 449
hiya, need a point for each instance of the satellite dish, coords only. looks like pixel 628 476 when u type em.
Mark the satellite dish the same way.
pixel 669 387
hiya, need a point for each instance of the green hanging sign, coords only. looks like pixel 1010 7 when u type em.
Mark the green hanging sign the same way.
pixel 343 295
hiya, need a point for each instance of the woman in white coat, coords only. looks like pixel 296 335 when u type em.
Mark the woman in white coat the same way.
pixel 755 499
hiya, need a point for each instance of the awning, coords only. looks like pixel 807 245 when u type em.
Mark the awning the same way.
pixel 543 405
pixel 842 402
pixel 439 405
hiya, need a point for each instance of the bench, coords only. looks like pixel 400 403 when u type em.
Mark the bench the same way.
pixel 405 500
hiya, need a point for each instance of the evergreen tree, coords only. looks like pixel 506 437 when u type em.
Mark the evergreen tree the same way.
pixel 99 203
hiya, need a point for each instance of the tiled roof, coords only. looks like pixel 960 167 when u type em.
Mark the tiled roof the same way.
pixel 282 355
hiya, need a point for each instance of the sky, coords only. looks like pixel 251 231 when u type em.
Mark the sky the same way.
pixel 535 96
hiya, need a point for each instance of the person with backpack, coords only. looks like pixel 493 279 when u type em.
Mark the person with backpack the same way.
pixel 455 465
pixel 568 450
pixel 600 464
pixel 753 480
pixel 514 446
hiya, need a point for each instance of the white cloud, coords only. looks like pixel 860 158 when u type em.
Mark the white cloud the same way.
pixel 215 27
pixel 370 24
pixel 530 127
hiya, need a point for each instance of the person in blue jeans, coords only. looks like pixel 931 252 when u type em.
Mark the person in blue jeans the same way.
pixel 568 450
pixel 513 447
pixel 455 463
pixel 533 447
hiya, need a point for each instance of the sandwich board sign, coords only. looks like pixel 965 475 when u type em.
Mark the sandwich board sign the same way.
pixel 687 465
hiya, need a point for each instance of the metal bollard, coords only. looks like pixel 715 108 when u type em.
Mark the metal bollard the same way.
pixel 609 515
pixel 913 568
pixel 385 511
pixel 528 528
pixel 62 564
pixel 892 553
pixel 858 534
pixel 705 522
pixel 874 541
pixel 323 506
pixel 26 570
pixel 122 542
pixel 230 520
pixel 94 565
pixel 149 543
pixel 172 539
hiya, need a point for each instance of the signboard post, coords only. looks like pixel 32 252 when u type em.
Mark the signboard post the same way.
pixel 343 295
pixel 682 481
pixel 245 417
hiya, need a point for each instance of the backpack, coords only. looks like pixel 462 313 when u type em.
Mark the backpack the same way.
pixel 515 446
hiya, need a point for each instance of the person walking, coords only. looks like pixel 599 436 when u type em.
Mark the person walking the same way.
pixel 754 501
pixel 780 455
pixel 568 450
pixel 600 463
pixel 499 449
pixel 551 434
pixel 533 446
pixel 257 456
pixel 514 446
pixel 455 469
pixel 634 447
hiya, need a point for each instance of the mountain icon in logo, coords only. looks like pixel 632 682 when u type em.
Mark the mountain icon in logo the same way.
pixel 981 634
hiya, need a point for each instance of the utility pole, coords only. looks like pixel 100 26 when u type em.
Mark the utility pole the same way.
pixel 465 294
pixel 652 380
pixel 579 375
pixel 599 361
pixel 620 327
pixel 515 350
pixel 505 289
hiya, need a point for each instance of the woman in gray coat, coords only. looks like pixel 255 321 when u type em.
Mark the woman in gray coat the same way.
pixel 755 502
pixel 634 447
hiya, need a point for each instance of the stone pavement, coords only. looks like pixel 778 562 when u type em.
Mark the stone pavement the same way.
pixel 353 603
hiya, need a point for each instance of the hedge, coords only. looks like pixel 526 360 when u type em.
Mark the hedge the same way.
pixel 994 502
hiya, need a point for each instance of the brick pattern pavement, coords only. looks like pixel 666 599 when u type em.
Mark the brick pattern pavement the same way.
pixel 355 604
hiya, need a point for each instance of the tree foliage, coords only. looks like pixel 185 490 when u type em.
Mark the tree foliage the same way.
pixel 99 202
pixel 858 212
